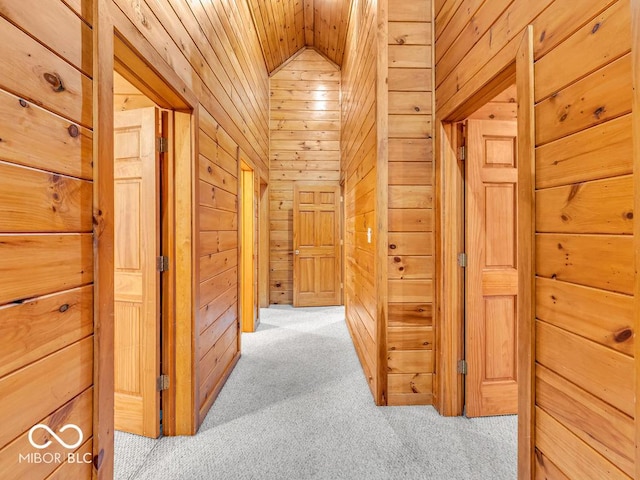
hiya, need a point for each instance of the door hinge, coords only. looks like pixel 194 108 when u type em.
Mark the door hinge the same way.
pixel 462 367
pixel 462 153
pixel 162 263
pixel 163 144
pixel 341 198
pixel 462 260
pixel 162 383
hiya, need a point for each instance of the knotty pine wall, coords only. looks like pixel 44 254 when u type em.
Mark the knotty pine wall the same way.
pixel 305 146
pixel 214 49
pixel 585 366
pixel 359 155
pixel 46 225
pixel 410 339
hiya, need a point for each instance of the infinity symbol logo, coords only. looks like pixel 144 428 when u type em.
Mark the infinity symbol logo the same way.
pixel 40 426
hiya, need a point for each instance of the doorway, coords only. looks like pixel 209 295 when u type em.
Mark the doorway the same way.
pixel 141 140
pixel 489 152
pixel 248 249
pixel 151 179
pixel 451 237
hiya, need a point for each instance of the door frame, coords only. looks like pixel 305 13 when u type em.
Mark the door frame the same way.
pixel 450 238
pixel 247 177
pixel 116 44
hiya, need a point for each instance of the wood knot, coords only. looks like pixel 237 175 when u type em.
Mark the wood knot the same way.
pixel 209 169
pixel 397 259
pixel 623 335
pixel 55 81
pixel 400 40
pixel 596 27
pixel 417 109
pixel 628 215
pixel 97 459
pixel 63 308
pixel 575 188
pixel 23 103
pixel 73 131
pixel 598 112
pixel 393 246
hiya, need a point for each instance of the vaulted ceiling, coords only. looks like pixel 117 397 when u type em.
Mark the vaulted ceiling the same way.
pixel 286 26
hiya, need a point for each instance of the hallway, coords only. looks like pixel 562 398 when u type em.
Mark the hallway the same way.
pixel 297 406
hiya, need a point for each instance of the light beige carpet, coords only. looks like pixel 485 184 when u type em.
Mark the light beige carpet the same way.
pixel 297 407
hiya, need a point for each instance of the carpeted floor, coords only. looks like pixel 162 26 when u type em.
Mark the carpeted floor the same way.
pixel 297 407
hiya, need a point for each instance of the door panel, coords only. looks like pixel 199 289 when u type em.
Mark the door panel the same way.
pixel 492 276
pixel 136 280
pixel 316 234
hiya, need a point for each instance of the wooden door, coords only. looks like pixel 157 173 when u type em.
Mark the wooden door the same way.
pixel 316 243
pixel 137 280
pixel 492 276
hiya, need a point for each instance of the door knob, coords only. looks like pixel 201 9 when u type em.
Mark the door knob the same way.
pixel 297 252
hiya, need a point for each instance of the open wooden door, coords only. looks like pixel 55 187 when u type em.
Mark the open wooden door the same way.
pixel 316 243
pixel 137 278
pixel 492 276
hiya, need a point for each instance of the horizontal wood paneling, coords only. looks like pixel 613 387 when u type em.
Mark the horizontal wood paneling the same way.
pixel 33 392
pixel 46 228
pixel 34 137
pixel 598 424
pixel 566 449
pixel 584 212
pixel 358 169
pixel 410 202
pixel 301 150
pixel 215 50
pixel 77 411
pixel 217 257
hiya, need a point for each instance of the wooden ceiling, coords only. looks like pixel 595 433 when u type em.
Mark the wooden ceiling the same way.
pixel 286 26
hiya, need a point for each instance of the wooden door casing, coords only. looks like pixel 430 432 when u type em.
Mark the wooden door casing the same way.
pixel 492 275
pixel 316 243
pixel 136 277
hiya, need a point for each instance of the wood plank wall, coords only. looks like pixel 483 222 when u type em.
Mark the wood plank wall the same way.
pixel 46 245
pixel 214 48
pixel 585 366
pixel 358 169
pixel 410 337
pixel 305 146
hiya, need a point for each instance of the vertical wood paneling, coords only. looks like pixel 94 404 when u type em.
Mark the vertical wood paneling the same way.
pixel 46 251
pixel 410 184
pixel 305 146
pixel 583 96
